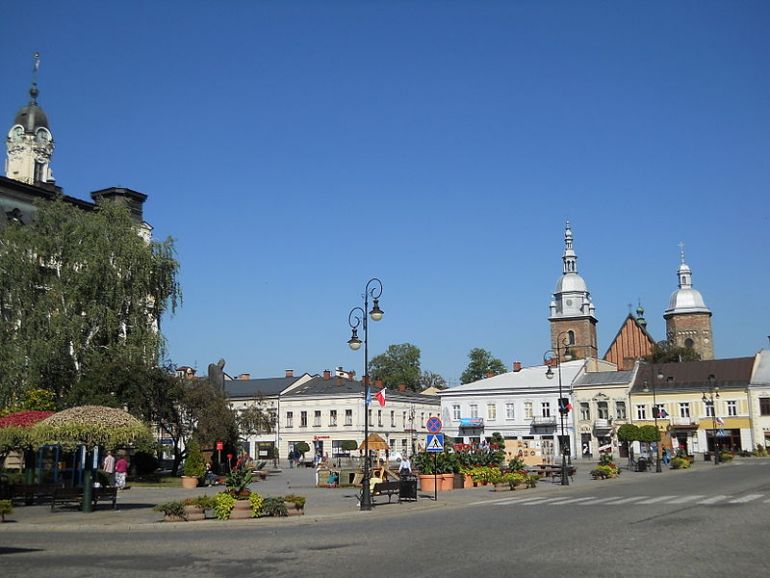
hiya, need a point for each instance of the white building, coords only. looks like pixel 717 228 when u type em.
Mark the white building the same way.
pixel 522 405
pixel 325 411
pixel 759 400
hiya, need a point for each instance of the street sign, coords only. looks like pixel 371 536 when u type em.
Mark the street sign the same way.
pixel 721 434
pixel 434 443
pixel 433 425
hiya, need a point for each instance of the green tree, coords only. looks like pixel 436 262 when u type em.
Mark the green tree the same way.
pixel 78 287
pixel 431 379
pixel 480 365
pixel 254 419
pixel 400 364
pixel 667 352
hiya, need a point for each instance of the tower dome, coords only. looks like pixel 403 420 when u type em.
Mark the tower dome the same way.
pixel 31 116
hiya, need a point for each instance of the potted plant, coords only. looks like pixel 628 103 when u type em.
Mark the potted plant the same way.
pixel 195 508
pixel 424 462
pixel 172 511
pixel 274 507
pixel 295 505
pixel 194 466
pixel 6 507
pixel 223 505
pixel 256 501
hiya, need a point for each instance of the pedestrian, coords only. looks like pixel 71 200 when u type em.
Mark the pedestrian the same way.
pixel 291 459
pixel 108 465
pixel 666 456
pixel 121 472
pixel 209 476
pixel 405 467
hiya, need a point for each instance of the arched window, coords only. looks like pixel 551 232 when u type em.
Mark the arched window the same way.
pixel 689 343
pixel 570 337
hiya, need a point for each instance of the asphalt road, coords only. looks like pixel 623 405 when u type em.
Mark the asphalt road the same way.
pixel 714 521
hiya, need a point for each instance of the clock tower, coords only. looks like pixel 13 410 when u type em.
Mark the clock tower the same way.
pixel 29 144
pixel 573 317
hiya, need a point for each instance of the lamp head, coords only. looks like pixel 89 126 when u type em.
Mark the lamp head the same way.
pixel 646 389
pixel 376 313
pixel 354 342
pixel 549 373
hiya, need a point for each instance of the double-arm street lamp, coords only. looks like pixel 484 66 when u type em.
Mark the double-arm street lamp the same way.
pixel 710 401
pixel 655 413
pixel 548 358
pixel 357 317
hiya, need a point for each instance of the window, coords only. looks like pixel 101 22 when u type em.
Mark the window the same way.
pixel 709 409
pixel 422 419
pixel 509 413
pixel 620 410
pixel 303 419
pixel 379 418
pixel 641 412
pixel 348 417
pixel 602 410
pixel 585 411
pixel 403 417
pixel 317 418
pixel 659 411
pixel 732 408
pixel 764 406
pixel 455 412
pixel 684 409
pixel 289 419
pixel 491 411
pixel 474 410
pixel 392 419
pixel 333 418
pixel 527 410
pixel 546 408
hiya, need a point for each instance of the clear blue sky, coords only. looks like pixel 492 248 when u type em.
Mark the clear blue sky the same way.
pixel 296 149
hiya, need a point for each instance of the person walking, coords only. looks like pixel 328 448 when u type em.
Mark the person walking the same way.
pixel 121 472
pixel 108 465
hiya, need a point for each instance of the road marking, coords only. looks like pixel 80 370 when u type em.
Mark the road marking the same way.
pixel 745 499
pixel 656 500
pixel 541 501
pixel 625 500
pixel 713 500
pixel 599 501
pixel 571 501
pixel 684 499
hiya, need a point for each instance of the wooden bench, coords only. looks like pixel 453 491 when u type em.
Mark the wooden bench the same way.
pixel 74 496
pixel 386 488
pixel 553 471
pixel 32 492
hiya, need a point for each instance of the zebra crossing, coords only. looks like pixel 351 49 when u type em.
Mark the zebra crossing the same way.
pixel 677 500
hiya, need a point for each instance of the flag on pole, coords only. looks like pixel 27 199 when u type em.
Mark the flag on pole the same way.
pixel 662 413
pixel 368 400
pixel 720 421
pixel 381 397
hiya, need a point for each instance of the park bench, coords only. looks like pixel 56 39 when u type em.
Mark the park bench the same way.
pixel 552 471
pixel 386 488
pixel 31 492
pixel 74 496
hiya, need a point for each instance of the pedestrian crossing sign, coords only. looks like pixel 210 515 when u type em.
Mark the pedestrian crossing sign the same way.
pixel 434 443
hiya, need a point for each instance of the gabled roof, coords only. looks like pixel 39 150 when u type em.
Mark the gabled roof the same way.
pixel 632 342
pixel 318 386
pixel 266 386
pixel 761 373
pixel 599 378
pixel 732 373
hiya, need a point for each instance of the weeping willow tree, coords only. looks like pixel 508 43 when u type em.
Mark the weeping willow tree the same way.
pixel 79 290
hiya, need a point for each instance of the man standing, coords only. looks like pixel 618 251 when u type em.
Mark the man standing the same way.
pixel 108 465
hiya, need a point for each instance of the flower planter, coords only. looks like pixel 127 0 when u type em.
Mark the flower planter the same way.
pixel 427 483
pixel 194 513
pixel 241 510
pixel 447 482
pixel 468 481
pixel 189 482
pixel 293 509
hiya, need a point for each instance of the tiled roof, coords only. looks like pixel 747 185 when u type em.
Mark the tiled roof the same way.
pixel 732 373
pixel 336 386
pixel 266 386
pixel 604 378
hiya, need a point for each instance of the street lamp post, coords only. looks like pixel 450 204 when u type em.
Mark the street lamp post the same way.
pixel 357 317
pixel 710 401
pixel 547 357
pixel 655 413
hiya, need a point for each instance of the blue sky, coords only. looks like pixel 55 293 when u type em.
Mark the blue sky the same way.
pixel 296 149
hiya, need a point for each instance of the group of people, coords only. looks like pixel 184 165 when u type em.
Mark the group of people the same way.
pixel 116 469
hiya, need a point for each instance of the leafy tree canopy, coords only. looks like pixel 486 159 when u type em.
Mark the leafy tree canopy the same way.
pixel 480 365
pixel 78 288
pixel 400 364
pixel 431 379
pixel 667 352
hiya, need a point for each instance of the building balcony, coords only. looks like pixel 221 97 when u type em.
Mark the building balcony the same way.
pixel 544 421
pixel 684 421
pixel 602 425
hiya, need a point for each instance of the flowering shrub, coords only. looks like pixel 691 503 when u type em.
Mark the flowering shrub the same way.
pixel 485 474
pixel 15 429
pixel 679 463
pixel 223 505
pixel 256 502
pixel 604 472
pixel 92 425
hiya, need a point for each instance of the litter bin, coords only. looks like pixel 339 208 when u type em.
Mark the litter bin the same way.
pixel 706 456
pixel 407 488
pixel 641 465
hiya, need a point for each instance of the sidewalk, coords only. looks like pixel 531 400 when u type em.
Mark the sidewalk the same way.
pixel 135 505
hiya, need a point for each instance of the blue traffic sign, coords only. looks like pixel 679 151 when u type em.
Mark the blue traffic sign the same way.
pixel 433 425
pixel 434 443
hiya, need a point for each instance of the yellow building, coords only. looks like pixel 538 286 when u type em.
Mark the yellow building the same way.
pixel 698 402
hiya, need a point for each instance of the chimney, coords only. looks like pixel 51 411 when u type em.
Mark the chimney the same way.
pixel 327 375
pixel 289 373
pixel 244 376
pixel 517 366
pixel 402 387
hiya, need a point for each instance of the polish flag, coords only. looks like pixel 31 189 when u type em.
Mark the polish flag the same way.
pixel 381 397
pixel 720 421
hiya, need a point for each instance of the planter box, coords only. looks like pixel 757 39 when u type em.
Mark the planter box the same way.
pixel 194 513
pixel 293 510
pixel 189 482
pixel 241 510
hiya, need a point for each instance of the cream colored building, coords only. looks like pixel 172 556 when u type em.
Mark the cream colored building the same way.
pixel 759 399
